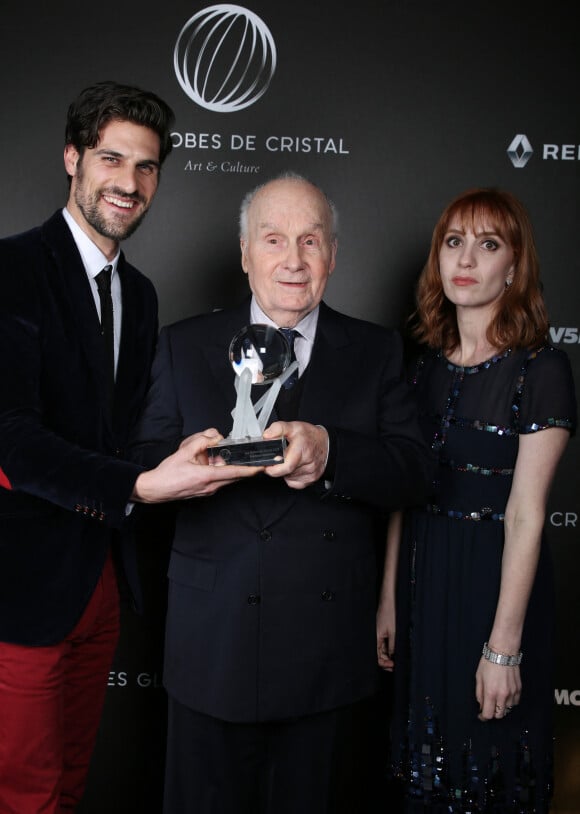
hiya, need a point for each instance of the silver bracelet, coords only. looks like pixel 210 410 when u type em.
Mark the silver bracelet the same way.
pixel 500 658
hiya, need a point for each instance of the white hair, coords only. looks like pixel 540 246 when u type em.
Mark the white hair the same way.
pixel 288 175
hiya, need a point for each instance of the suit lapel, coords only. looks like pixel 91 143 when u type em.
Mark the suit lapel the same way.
pixel 135 348
pixel 129 340
pixel 331 373
pixel 324 391
pixel 77 291
pixel 327 384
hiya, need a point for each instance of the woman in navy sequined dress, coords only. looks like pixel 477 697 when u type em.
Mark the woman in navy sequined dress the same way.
pixel 466 616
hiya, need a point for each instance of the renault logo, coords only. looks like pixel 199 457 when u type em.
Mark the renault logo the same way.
pixel 520 151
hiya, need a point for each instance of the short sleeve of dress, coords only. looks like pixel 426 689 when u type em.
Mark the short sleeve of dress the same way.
pixel 548 397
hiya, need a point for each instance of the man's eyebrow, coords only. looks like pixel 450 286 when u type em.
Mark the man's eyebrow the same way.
pixel 312 227
pixel 109 151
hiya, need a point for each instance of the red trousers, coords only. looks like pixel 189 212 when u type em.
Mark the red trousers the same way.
pixel 51 700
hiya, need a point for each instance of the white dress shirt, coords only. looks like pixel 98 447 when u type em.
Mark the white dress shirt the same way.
pixel 95 261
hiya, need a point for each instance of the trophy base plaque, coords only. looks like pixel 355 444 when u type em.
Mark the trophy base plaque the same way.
pixel 249 451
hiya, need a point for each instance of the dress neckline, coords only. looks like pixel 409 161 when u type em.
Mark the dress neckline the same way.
pixel 474 368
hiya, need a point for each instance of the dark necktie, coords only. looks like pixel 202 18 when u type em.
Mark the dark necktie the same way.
pixel 290 335
pixel 103 280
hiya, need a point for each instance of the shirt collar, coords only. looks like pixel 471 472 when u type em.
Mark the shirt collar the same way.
pixel 93 258
pixel 306 327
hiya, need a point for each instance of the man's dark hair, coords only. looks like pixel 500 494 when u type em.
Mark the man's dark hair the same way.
pixel 104 102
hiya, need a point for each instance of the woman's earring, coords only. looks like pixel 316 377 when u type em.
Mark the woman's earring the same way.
pixel 508 282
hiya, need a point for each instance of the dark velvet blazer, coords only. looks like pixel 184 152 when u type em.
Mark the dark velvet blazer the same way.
pixel 272 590
pixel 63 484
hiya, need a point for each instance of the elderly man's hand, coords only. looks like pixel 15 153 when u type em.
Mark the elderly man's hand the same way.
pixel 306 454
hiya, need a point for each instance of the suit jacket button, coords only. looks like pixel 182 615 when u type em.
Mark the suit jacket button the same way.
pixel 329 534
pixel 265 535
pixel 327 596
pixel 253 599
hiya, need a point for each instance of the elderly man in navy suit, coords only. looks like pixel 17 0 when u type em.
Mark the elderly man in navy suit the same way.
pixel 270 636
pixel 74 369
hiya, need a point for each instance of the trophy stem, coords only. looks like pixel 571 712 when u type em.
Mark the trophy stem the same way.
pixel 265 410
pixel 245 421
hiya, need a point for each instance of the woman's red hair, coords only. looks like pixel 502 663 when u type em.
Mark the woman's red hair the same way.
pixel 521 319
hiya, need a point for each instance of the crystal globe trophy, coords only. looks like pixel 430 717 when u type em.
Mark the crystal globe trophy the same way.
pixel 260 355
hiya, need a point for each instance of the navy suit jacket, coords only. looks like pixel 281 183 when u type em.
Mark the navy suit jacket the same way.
pixel 272 590
pixel 63 484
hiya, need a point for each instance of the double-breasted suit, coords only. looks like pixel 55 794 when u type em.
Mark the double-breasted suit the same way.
pixel 63 484
pixel 272 590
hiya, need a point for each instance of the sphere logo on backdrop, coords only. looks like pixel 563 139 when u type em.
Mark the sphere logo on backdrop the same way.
pixel 224 58
pixel 520 151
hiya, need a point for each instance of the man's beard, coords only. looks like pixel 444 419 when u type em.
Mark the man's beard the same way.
pixel 109 227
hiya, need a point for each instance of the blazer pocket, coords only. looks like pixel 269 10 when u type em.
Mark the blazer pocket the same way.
pixel 192 572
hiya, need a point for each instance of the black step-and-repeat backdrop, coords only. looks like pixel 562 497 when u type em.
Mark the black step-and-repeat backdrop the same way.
pixel 393 108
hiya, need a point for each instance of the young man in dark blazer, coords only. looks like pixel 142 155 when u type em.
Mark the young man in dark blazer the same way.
pixel 270 639
pixel 66 410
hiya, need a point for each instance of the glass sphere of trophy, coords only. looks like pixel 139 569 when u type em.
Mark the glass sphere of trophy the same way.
pixel 260 355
